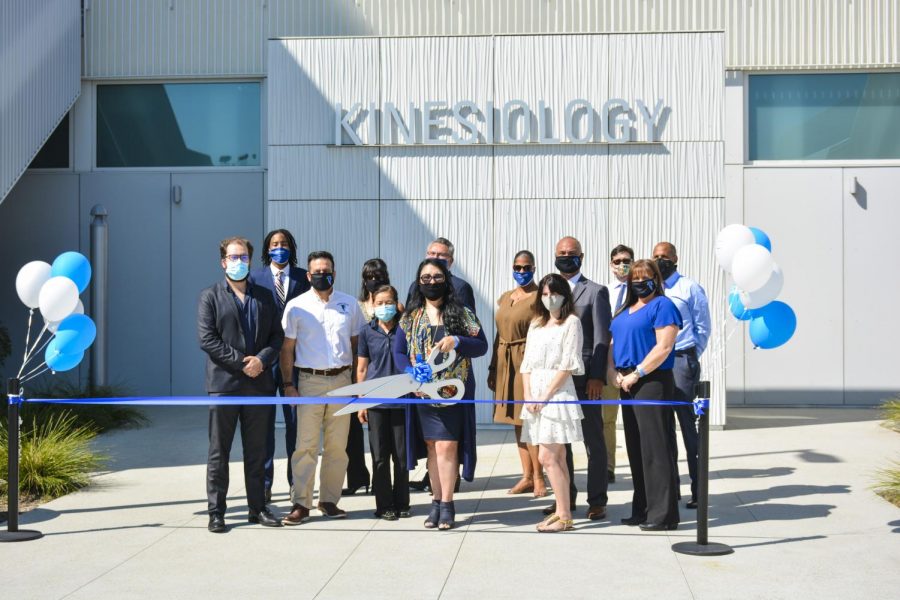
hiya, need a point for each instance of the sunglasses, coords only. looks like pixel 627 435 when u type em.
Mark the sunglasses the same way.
pixel 426 279
pixel 523 268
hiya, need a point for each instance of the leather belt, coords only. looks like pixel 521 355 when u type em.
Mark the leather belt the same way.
pixel 325 372
pixel 687 351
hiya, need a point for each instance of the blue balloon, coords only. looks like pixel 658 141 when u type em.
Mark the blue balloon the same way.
pixel 74 266
pixel 75 334
pixel 761 238
pixel 772 325
pixel 737 308
pixel 59 362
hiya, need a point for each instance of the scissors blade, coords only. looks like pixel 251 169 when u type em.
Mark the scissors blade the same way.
pixel 370 388
pixel 355 406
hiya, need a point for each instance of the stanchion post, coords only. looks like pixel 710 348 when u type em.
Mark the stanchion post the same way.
pixel 702 547
pixel 13 533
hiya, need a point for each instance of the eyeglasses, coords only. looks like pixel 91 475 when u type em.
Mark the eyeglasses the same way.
pixel 426 279
pixel 622 261
pixel 523 268
pixel 433 254
pixel 237 257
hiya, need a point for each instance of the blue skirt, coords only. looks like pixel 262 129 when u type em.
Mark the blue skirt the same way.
pixel 444 423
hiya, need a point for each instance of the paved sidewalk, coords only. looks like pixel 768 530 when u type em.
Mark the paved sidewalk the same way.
pixel 789 491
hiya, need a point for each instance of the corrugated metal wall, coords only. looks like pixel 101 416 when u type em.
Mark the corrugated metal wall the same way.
pixel 40 77
pixel 492 201
pixel 148 38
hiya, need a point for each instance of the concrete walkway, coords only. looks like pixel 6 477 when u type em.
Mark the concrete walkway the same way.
pixel 790 492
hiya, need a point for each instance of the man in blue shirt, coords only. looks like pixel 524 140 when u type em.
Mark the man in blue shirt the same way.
pixel 692 339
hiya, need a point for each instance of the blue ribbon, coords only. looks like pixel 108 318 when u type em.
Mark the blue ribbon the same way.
pixel 421 371
pixel 700 405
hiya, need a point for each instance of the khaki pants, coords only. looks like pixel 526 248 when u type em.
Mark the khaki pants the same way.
pixel 312 419
pixel 610 414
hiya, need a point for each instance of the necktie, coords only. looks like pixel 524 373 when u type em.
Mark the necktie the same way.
pixel 620 298
pixel 279 287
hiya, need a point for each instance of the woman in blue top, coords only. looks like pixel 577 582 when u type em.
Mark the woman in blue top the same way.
pixel 641 359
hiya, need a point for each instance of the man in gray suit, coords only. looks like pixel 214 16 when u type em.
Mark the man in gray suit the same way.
pixel 592 307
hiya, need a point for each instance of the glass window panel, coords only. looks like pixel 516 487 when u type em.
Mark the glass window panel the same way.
pixel 825 116
pixel 54 154
pixel 178 125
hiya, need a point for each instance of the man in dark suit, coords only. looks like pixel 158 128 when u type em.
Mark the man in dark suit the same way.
pixel 285 280
pixel 241 334
pixel 592 307
pixel 441 249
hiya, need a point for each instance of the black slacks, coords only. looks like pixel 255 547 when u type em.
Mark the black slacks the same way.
pixel 687 376
pixel 357 472
pixel 595 446
pixel 651 455
pixel 223 422
pixel 387 441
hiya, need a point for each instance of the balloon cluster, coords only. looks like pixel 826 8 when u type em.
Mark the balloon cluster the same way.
pixel 746 253
pixel 54 290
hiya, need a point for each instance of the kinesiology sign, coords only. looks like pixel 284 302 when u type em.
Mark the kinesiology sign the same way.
pixel 615 121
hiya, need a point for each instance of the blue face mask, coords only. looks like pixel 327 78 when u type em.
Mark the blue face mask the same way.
pixel 385 312
pixel 280 255
pixel 523 278
pixel 237 271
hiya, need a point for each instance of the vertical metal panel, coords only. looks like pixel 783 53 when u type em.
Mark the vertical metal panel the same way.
pixel 435 173
pixel 138 38
pixel 323 173
pixel 40 70
pixel 676 170
pixel 552 172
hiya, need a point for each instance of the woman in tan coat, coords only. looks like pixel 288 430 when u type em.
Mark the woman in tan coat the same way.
pixel 514 315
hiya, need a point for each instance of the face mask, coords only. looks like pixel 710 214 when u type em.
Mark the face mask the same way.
pixel 385 312
pixel 374 284
pixel 622 270
pixel 322 281
pixel 523 278
pixel 568 264
pixel 433 291
pixel 280 255
pixel 643 288
pixel 237 270
pixel 553 302
pixel 666 267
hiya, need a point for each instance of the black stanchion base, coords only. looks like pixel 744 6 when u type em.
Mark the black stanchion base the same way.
pixel 695 549
pixel 22 535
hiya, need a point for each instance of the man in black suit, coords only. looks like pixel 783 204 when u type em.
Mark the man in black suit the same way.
pixel 592 307
pixel 285 280
pixel 241 334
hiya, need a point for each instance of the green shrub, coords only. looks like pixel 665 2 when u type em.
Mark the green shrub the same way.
pixel 888 485
pixel 891 410
pixel 55 458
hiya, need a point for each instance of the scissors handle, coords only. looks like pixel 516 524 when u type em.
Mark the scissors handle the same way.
pixel 433 388
pixel 445 364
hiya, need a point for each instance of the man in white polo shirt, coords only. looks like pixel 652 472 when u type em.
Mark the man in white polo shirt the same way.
pixel 317 356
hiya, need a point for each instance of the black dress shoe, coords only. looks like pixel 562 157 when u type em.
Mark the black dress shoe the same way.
pixel 632 521
pixel 549 510
pixel 351 491
pixel 264 518
pixel 421 486
pixel 658 526
pixel 692 503
pixel 216 523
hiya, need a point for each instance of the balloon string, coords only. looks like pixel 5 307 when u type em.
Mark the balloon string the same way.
pixel 33 373
pixel 37 353
pixel 37 340
pixel 27 341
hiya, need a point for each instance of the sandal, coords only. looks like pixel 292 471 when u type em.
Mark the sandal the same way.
pixel 540 488
pixel 525 485
pixel 431 521
pixel 557 525
pixel 551 519
pixel 448 516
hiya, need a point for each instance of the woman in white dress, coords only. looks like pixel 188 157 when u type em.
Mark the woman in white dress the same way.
pixel 552 357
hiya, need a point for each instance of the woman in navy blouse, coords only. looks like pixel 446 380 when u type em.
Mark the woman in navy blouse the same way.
pixel 641 359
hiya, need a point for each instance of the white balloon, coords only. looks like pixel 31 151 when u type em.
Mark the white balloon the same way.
pixel 58 298
pixel 766 293
pixel 52 326
pixel 729 241
pixel 752 266
pixel 29 281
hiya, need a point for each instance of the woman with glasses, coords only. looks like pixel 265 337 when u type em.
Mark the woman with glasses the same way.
pixel 513 316
pixel 436 319
pixel 641 357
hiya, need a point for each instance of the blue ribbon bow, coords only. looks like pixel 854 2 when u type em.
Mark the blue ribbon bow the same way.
pixel 700 404
pixel 421 371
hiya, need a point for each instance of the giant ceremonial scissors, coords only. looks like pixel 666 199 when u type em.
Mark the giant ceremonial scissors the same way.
pixel 396 386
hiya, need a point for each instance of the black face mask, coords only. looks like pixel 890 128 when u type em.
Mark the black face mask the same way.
pixel 433 291
pixel 666 267
pixel 643 288
pixel 374 284
pixel 322 281
pixel 568 264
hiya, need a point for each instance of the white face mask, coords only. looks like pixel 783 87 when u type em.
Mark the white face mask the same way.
pixel 553 302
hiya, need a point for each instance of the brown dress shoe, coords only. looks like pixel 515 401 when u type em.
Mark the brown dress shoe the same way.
pixel 596 513
pixel 330 510
pixel 298 515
